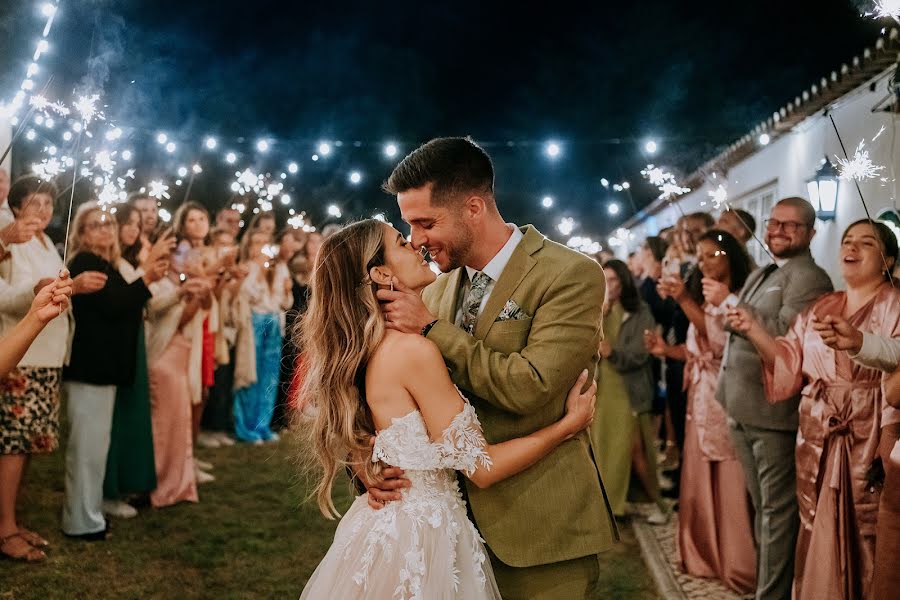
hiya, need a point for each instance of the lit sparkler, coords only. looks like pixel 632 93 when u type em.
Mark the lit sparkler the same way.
pixel 719 197
pixel 664 181
pixel 86 106
pixel 158 190
pixel 887 8
pixel 860 167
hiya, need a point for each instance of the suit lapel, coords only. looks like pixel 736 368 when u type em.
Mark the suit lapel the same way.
pixel 757 282
pixel 520 264
pixel 450 297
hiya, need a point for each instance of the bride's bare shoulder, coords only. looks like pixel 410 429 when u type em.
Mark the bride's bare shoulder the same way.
pixel 402 350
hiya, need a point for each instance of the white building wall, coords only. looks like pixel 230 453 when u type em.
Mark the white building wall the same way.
pixel 783 167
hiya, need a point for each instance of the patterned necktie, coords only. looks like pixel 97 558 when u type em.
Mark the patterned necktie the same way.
pixel 473 301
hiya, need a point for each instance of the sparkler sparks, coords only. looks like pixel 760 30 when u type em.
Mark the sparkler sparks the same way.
pixel 158 190
pixel 860 167
pixel 86 106
pixel 887 8
pixel 719 197
pixel 664 181
pixel 48 169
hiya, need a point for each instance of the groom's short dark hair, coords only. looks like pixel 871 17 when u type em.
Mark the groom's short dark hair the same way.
pixel 453 165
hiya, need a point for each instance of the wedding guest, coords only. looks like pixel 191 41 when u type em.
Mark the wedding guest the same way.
pixel 228 219
pixel 623 438
pixel 764 435
pixel 267 290
pixel 50 303
pixel 886 579
pixel 739 223
pixel 262 221
pixel 12 230
pixel 174 351
pixel 634 266
pixel 714 533
pixel 130 466
pixel 682 264
pixel 195 259
pixel 840 416
pixel 30 393
pixel 103 356
pixel 288 247
pixel 650 257
pixel 149 208
pixel 303 276
pixel 882 353
pixel 217 421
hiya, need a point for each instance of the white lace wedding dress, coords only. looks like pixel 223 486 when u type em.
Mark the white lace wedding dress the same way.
pixel 423 547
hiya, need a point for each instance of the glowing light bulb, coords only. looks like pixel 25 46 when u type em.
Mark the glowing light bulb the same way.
pixel 211 143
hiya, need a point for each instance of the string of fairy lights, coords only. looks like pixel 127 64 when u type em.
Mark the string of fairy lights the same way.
pixel 77 136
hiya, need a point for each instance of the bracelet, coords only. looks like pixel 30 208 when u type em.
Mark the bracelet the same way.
pixel 428 327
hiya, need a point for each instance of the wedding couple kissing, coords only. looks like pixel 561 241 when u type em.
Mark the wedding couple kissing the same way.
pixel 481 481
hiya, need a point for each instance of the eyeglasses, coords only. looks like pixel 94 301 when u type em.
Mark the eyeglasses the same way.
pixel 788 226
pixel 99 225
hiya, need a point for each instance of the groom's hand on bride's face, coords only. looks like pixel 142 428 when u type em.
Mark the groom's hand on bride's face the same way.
pixel 403 309
pixel 388 488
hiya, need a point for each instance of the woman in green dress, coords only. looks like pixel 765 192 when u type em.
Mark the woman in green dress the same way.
pixel 130 467
pixel 622 434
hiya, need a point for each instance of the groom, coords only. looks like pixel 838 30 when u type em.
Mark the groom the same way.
pixel 516 317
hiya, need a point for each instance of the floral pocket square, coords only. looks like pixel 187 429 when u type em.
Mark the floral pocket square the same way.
pixel 512 312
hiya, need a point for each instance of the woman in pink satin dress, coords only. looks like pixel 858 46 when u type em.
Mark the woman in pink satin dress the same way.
pixel 839 474
pixel 715 534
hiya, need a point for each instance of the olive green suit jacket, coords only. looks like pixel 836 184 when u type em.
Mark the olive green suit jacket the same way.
pixel 517 374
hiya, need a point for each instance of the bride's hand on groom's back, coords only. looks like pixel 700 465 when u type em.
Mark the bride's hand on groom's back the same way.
pixel 580 405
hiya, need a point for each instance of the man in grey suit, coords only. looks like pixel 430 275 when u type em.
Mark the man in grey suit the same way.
pixel 764 434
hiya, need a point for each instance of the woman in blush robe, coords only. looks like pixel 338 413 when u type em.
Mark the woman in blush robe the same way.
pixel 839 473
pixel 715 534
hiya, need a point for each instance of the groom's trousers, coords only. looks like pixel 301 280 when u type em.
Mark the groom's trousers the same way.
pixel 575 579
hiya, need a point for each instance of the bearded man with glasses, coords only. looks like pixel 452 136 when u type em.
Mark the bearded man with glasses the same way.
pixel 764 434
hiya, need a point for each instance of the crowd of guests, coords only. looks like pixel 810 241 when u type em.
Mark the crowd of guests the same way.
pixel 768 399
pixel 171 327
pixel 762 400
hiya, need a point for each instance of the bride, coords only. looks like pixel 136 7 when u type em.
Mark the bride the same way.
pixel 363 380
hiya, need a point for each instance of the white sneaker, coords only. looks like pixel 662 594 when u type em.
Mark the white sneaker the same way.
pixel 658 517
pixel 119 509
pixel 224 439
pixel 275 437
pixel 206 440
pixel 203 476
pixel 257 442
pixel 202 465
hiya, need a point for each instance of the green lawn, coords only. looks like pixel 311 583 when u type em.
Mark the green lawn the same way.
pixel 251 536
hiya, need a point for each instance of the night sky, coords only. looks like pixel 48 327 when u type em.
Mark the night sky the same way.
pixel 597 77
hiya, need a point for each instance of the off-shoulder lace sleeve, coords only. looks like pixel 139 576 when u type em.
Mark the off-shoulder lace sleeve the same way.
pixel 462 446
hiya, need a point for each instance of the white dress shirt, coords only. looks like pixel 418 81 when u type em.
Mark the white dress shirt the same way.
pixel 494 269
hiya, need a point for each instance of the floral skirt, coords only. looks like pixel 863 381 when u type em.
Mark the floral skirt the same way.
pixel 29 410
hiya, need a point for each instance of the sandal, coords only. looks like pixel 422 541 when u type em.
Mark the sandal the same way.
pixel 28 554
pixel 34 539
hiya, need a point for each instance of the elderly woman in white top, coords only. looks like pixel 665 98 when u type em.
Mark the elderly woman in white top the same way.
pixel 267 291
pixel 29 394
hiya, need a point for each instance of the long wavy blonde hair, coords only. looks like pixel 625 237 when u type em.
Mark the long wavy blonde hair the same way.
pixel 342 327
